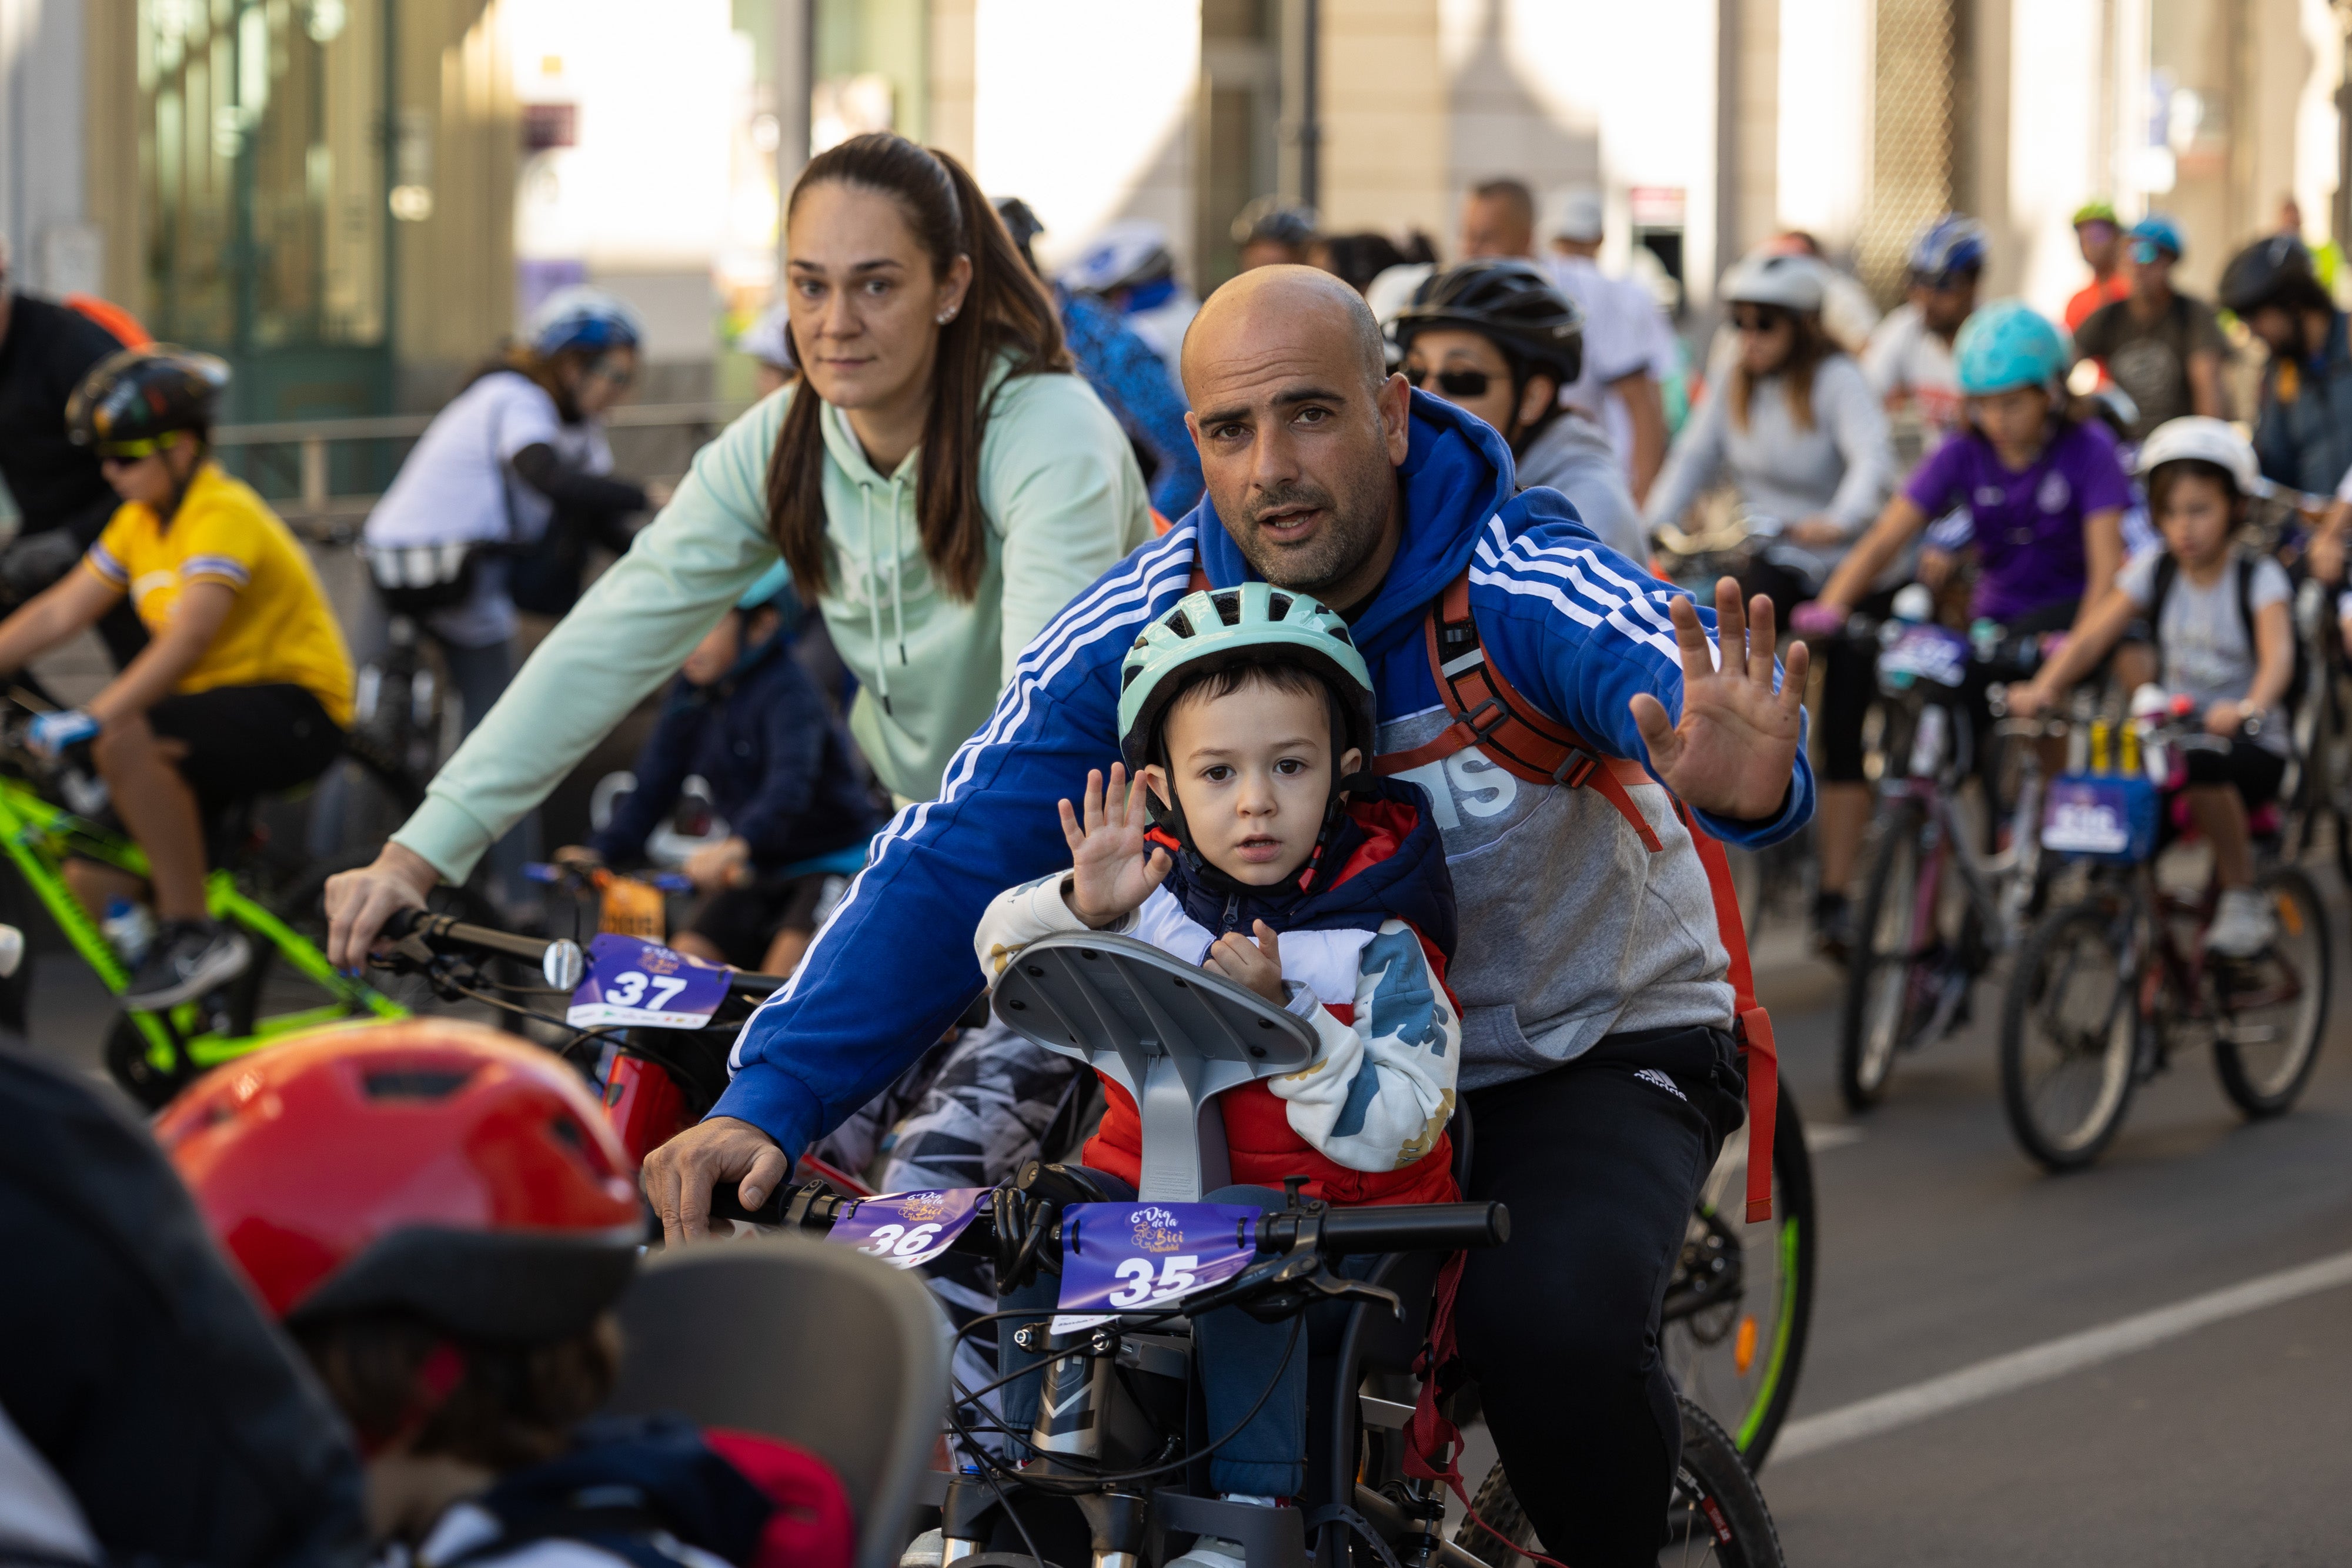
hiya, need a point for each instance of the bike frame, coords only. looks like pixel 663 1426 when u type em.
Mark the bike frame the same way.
pixel 38 836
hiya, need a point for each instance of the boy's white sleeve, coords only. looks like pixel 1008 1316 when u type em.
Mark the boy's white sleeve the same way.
pixel 1020 915
pixel 1378 1092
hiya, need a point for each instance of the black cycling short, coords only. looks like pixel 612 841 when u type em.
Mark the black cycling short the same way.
pixel 244 741
pixel 1849 670
pixel 741 921
pixel 2256 770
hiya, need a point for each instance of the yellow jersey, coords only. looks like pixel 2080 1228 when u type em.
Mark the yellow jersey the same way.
pixel 280 630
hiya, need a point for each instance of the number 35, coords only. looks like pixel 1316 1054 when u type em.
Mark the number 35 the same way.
pixel 1176 1277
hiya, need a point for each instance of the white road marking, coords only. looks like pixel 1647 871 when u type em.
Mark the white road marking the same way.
pixel 2053 1358
pixel 1820 1135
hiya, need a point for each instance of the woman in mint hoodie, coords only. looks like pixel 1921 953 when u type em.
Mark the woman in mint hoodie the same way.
pixel 938 481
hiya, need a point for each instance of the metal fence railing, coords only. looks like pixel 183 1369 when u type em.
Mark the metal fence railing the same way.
pixel 293 461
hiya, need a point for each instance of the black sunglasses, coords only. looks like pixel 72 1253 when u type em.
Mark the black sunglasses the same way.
pixel 1453 383
pixel 1756 318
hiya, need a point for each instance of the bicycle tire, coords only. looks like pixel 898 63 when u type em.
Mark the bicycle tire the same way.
pixel 1753 1410
pixel 1717 1510
pixel 1869 1038
pixel 2103 1034
pixel 2303 921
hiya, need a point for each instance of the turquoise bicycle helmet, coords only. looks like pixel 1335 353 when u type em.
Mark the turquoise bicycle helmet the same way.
pixel 2008 346
pixel 1212 630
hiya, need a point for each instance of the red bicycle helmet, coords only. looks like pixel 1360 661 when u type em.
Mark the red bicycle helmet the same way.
pixel 430 1164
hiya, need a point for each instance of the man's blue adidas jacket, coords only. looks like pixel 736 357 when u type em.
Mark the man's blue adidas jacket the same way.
pixel 1578 629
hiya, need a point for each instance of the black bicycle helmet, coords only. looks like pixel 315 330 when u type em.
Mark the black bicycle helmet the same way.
pixel 2274 271
pixel 132 402
pixel 1021 222
pixel 1508 301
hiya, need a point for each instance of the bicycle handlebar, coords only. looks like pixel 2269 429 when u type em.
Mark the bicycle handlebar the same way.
pixel 558 958
pixel 1394 1227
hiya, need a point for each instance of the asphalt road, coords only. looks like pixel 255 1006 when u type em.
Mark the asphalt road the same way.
pixel 1943 1247
pixel 1943 1250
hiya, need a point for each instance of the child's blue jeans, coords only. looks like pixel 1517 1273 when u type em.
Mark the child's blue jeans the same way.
pixel 1237 1357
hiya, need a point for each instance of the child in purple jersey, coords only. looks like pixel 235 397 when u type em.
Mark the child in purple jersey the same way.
pixel 2046 494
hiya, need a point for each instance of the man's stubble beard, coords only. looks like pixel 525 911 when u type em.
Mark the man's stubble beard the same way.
pixel 1348 539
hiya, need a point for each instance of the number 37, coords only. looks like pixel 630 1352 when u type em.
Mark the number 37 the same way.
pixel 1175 1279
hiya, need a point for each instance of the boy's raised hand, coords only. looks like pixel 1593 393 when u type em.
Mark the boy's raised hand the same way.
pixel 1112 869
pixel 1257 967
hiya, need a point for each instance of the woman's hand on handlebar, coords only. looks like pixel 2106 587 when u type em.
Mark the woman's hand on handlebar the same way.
pixel 1815 533
pixel 677 1177
pixel 2025 699
pixel 360 902
pixel 2225 718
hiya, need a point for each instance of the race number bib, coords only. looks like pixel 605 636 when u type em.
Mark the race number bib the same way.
pixel 644 985
pixel 1140 1257
pixel 907 1229
pixel 1927 653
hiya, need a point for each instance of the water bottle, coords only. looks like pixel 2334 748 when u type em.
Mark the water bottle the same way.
pixel 130 927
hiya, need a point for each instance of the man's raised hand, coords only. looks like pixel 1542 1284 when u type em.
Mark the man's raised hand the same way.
pixel 1733 750
pixel 1112 869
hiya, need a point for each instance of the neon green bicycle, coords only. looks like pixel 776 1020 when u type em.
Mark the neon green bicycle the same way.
pixel 289 985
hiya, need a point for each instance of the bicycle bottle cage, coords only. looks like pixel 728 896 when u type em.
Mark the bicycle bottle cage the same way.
pixel 1173 1035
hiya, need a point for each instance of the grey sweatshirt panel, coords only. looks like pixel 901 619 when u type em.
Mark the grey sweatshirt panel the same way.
pixel 1573 455
pixel 1570 929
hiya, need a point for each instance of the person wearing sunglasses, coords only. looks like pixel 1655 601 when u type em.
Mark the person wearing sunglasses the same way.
pixel 244 686
pixel 1496 339
pixel 1794 428
pixel 2160 345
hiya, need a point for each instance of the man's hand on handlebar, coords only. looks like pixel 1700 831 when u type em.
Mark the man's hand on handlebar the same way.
pixel 677 1177
pixel 360 902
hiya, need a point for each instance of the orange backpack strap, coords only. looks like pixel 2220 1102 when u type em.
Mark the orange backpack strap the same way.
pixel 1751 1022
pixel 1489 713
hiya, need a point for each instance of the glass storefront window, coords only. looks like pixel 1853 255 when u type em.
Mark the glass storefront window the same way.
pixel 261 151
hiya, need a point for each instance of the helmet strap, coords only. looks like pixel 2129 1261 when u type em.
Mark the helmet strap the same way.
pixel 437 1378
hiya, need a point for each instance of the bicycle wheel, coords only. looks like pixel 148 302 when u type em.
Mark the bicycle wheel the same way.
pixel 2069 1032
pixel 1717 1514
pixel 1888 998
pixel 2274 1009
pixel 1741 1299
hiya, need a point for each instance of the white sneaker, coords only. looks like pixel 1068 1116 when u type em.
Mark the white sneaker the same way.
pixel 1211 1552
pixel 2242 926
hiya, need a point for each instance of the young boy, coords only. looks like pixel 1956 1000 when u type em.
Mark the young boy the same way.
pixel 244 688
pixel 751 722
pixel 1276 861
pixel 2222 629
pixel 443 1223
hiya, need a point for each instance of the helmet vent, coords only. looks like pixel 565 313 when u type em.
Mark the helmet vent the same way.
pixel 415 1083
pixel 1180 624
pixel 1229 607
pixel 1278 605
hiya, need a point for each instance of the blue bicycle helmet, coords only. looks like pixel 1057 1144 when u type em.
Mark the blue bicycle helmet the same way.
pixel 2005 346
pixel 1951 246
pixel 584 319
pixel 2154 233
pixel 771 583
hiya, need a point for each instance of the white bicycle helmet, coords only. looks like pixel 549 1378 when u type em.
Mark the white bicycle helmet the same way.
pixel 2199 439
pixel 767 340
pixel 1787 282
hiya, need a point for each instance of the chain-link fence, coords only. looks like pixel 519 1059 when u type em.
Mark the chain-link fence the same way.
pixel 1915 134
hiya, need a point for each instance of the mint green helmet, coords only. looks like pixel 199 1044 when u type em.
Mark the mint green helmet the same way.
pixel 1255 623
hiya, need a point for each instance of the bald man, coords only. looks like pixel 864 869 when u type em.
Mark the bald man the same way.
pixel 1597 1056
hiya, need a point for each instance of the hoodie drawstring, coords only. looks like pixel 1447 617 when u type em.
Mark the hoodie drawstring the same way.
pixel 872 594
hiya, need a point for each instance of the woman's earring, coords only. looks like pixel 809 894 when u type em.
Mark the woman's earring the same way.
pixel 945 317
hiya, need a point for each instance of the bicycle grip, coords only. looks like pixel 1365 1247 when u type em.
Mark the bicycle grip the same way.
pixel 442 932
pixel 726 1203
pixel 1416 1228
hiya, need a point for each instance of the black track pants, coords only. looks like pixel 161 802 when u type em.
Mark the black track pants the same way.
pixel 1600 1161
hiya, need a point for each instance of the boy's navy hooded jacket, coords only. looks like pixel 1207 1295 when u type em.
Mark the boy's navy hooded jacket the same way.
pixel 1569 929
pixel 779 767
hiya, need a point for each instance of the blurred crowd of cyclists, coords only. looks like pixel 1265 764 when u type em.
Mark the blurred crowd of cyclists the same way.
pixel 939 506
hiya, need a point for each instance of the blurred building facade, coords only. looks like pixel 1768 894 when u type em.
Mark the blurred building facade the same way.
pixel 356 198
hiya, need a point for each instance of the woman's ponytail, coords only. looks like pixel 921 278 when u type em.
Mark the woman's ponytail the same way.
pixel 1006 313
